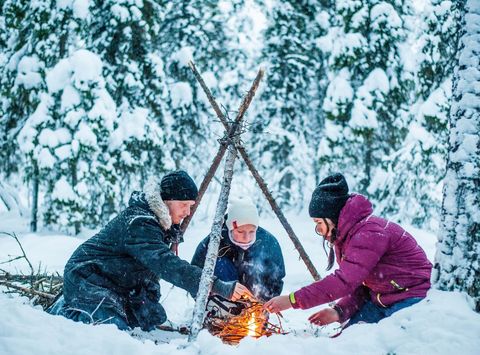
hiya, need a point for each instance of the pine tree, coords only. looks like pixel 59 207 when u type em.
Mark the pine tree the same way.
pixel 17 96
pixel 369 91
pixel 126 34
pixel 290 118
pixel 33 47
pixel 416 197
pixel 82 189
pixel 457 259
pixel 191 30
pixel 85 181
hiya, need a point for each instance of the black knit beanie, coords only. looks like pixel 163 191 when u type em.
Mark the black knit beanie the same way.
pixel 178 185
pixel 329 197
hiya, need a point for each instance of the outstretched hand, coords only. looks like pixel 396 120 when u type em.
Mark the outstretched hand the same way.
pixel 278 304
pixel 324 317
pixel 240 292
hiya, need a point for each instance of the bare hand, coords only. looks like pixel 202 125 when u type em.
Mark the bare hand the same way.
pixel 242 292
pixel 324 317
pixel 278 304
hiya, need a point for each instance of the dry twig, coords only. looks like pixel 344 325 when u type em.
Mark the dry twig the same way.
pixel 40 287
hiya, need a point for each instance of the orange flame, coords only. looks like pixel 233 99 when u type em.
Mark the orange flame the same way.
pixel 253 321
pixel 252 326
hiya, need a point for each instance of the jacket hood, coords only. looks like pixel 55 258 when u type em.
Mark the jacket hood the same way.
pixel 150 198
pixel 357 208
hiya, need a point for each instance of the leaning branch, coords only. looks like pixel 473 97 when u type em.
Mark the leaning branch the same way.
pixel 279 213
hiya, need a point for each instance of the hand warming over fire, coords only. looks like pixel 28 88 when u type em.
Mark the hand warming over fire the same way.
pixel 324 317
pixel 241 291
pixel 278 304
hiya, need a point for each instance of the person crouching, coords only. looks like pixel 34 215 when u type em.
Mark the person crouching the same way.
pixel 381 268
pixel 113 277
pixel 247 253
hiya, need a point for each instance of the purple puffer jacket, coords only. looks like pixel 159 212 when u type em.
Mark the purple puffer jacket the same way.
pixel 377 259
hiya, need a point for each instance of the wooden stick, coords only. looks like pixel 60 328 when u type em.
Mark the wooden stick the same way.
pixel 21 248
pixel 203 187
pixel 27 290
pixel 288 228
pixel 206 280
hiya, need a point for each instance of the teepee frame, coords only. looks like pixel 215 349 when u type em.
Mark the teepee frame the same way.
pixel 230 143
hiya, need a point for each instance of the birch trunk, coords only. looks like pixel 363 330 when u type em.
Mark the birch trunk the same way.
pixel 212 252
pixel 457 264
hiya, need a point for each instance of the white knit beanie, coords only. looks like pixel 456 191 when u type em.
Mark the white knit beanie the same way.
pixel 241 212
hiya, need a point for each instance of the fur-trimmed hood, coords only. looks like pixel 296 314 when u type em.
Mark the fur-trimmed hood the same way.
pixel 151 195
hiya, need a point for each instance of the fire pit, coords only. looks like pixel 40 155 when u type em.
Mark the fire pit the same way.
pixel 252 321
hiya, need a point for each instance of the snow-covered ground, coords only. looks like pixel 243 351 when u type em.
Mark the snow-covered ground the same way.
pixel 444 323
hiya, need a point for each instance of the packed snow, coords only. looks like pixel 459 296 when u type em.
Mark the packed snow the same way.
pixel 444 323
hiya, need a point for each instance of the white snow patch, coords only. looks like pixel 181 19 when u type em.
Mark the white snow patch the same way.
pixel 339 93
pixel 420 329
pixel 130 125
pixel 59 76
pixel 28 72
pixel 181 94
pixel 85 135
pixel 183 55
pixel 63 191
pixel 45 159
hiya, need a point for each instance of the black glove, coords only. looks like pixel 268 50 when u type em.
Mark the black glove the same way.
pixel 223 288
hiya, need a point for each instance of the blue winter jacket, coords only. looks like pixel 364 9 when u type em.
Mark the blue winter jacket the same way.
pixel 260 267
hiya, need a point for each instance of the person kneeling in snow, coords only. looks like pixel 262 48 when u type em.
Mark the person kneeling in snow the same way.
pixel 247 252
pixel 381 270
pixel 114 276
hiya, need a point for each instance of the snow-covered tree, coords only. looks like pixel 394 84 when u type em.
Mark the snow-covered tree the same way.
pixel 40 33
pixel 369 91
pixel 126 35
pixel 416 196
pixel 191 30
pixel 14 103
pixel 68 136
pixel 290 118
pixel 457 261
pixel 438 23
pixel 90 130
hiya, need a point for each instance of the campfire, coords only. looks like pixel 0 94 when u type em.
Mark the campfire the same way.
pixel 252 321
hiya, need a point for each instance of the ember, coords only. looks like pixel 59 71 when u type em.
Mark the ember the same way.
pixel 252 321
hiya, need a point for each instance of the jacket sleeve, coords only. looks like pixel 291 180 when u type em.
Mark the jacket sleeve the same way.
pixel 144 242
pixel 361 255
pixel 198 258
pixel 274 272
pixel 351 304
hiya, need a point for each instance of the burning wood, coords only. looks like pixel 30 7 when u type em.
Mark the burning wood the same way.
pixel 252 321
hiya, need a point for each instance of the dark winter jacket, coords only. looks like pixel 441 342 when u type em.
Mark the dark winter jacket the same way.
pixel 377 260
pixel 120 267
pixel 260 267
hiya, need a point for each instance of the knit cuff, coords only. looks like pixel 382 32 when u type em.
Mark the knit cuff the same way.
pixel 293 300
pixel 339 311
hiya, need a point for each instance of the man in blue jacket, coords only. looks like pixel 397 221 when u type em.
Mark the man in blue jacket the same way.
pixel 248 253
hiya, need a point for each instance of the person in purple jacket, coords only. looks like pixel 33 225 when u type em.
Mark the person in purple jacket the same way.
pixel 381 269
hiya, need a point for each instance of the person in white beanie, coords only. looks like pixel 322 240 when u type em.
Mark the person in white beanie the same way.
pixel 248 253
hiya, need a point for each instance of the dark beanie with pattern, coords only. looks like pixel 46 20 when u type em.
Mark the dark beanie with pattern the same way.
pixel 329 197
pixel 178 185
